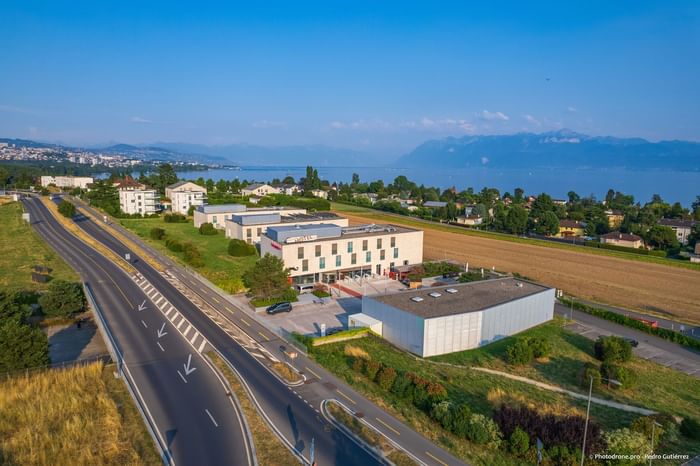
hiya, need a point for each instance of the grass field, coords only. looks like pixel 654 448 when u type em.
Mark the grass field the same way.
pixel 647 286
pixel 21 248
pixel 219 267
pixel 659 388
pixel 77 416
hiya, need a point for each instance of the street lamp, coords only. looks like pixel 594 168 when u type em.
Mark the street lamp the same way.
pixel 653 430
pixel 588 412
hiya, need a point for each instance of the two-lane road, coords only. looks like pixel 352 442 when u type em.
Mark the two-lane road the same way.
pixel 194 418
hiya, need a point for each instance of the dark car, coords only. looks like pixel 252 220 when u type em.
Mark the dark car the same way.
pixel 633 343
pixel 450 274
pixel 334 330
pixel 279 307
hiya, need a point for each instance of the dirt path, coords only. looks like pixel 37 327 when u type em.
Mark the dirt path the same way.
pixel 656 288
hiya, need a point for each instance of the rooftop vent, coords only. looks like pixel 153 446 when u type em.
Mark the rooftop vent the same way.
pixel 451 290
pixel 519 285
pixel 434 294
pixel 416 299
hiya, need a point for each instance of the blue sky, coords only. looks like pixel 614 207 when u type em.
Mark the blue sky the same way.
pixel 379 76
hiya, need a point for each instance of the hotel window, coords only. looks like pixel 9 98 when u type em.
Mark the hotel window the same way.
pixel 305 265
pixel 393 241
pixel 368 256
pixel 318 250
pixel 321 263
pixel 349 246
pixel 248 233
pixel 300 253
pixel 213 219
pixel 396 253
pixel 337 261
pixel 382 255
pixel 259 231
pixel 364 244
pixel 353 259
pixel 334 248
pixel 379 243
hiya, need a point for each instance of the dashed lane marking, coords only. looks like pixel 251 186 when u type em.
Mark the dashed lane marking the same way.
pixel 212 418
pixel 436 459
pixel 264 336
pixel 144 323
pixel 310 370
pixel 245 322
pixel 160 346
pixel 388 426
pixel 345 396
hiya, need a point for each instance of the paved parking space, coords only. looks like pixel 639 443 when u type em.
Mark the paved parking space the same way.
pixel 306 317
pixel 370 286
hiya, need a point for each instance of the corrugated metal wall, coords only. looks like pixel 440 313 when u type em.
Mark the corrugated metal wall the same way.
pixel 452 333
pixel 398 327
pixel 516 316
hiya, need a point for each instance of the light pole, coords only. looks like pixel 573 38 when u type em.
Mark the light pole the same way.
pixel 653 431
pixel 588 412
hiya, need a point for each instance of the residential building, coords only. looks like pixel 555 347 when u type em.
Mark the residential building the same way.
pixel 290 189
pixel 470 220
pixel 320 193
pixel 328 253
pixel 627 240
pixel 446 319
pixel 259 189
pixel 136 198
pixel 696 257
pixel 434 204
pixel 218 214
pixel 615 218
pixel 570 228
pixel 371 197
pixel 81 182
pixel 185 194
pixel 252 226
pixel 682 228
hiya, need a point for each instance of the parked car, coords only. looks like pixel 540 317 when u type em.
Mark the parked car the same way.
pixel 279 307
pixel 334 330
pixel 450 275
pixel 633 343
pixel 306 288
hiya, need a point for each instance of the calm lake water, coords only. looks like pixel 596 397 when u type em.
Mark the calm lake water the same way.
pixel 673 186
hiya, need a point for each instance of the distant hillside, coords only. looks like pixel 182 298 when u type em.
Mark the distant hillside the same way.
pixel 559 149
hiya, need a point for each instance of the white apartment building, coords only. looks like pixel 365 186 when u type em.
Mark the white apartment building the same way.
pixel 185 194
pixel 135 198
pixel 218 214
pixel 81 182
pixel 259 189
pixel 328 253
pixel 251 226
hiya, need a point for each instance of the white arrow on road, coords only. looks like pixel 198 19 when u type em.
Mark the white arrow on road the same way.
pixel 188 369
pixel 161 331
pixel 142 306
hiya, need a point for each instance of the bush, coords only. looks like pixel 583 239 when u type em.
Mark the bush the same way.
pixel 239 248
pixel 174 218
pixel 645 425
pixel 207 229
pixel 157 233
pixel 372 368
pixel 443 413
pixel 541 347
pixel 460 419
pixel 483 430
pixel 66 209
pixel 519 352
pixel 690 428
pixel 612 349
pixel 22 346
pixel 191 254
pixel 62 299
pixel 625 376
pixel 358 365
pixel 627 442
pixel 386 378
pixel 173 245
pixel 402 387
pixel 519 442
pixel 589 371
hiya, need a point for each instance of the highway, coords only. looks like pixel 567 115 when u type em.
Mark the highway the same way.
pixel 195 420
pixel 294 410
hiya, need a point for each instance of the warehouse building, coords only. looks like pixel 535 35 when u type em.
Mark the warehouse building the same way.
pixel 328 253
pixel 446 319
pixel 251 227
pixel 218 214
pixel 81 182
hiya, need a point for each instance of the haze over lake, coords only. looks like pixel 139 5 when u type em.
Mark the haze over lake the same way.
pixel 673 186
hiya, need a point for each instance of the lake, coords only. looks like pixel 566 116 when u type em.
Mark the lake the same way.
pixel 673 186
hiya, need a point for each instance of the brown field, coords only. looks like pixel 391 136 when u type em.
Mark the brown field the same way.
pixel 649 287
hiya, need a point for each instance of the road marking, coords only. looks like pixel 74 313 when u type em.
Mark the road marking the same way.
pixel 216 299
pixel 245 322
pixel 196 334
pixel 211 417
pixel 170 309
pixel 436 459
pixel 345 396
pixel 388 426
pixel 154 291
pixel 159 346
pixel 181 323
pixel 201 347
pixel 144 323
pixel 187 330
pixel 159 300
pixel 181 376
pixel 148 288
pixel 173 317
pixel 142 306
pixel 188 369
pixel 309 369
pixel 161 331
pixel 264 336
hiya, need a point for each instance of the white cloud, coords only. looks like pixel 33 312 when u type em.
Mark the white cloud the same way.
pixel 571 109
pixel 138 119
pixel 492 116
pixel 532 120
pixel 484 160
pixel 427 124
pixel 270 124
pixel 14 109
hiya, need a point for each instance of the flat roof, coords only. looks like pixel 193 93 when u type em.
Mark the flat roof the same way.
pixel 326 231
pixel 263 219
pixel 468 297
pixel 221 208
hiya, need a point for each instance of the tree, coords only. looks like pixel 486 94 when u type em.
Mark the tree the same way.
pixel 519 442
pixel 166 176
pixel 288 180
pixel 548 224
pixel 516 220
pixel 239 248
pixel 105 196
pixel 661 237
pixel 573 197
pixel 67 209
pixel 612 349
pixel 268 278
pixel 22 346
pixel 355 180
pixel 518 193
pixel 62 298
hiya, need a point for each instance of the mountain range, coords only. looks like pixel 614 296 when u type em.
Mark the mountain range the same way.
pixel 557 149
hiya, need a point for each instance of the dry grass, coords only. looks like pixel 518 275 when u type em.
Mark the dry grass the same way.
pixel 649 287
pixel 75 416
pixel 269 448
pixel 286 372
pixel 497 397
pixel 125 241
pixel 73 228
pixel 355 352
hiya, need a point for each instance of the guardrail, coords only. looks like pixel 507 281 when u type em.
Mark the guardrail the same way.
pixel 125 374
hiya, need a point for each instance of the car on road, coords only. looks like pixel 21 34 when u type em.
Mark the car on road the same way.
pixel 633 343
pixel 279 307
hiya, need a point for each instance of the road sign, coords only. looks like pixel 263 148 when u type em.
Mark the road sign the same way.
pixel 323 330
pixel 127 256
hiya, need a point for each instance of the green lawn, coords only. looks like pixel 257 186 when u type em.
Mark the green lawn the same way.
pixel 659 388
pixel 21 248
pixel 222 269
pixel 387 217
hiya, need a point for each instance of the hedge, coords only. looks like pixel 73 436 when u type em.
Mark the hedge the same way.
pixel 614 247
pixel 664 333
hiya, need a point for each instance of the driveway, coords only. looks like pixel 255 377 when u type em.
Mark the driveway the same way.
pixel 307 316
